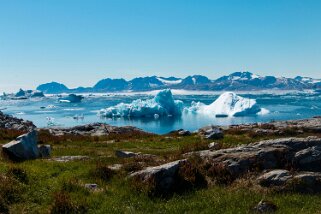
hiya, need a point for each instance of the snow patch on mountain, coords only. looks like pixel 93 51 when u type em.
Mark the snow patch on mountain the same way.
pixel 168 81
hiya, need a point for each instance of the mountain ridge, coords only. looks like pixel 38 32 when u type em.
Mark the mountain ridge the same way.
pixel 235 81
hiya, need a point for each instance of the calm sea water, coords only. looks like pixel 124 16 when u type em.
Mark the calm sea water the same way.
pixel 282 106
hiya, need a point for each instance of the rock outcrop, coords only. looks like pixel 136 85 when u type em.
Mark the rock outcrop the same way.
pixel 9 122
pixel 301 155
pixel 311 125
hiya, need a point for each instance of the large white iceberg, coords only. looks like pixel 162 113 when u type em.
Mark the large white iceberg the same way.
pixel 227 105
pixel 163 104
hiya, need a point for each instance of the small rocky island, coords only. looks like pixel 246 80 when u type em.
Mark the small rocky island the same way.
pixel 260 168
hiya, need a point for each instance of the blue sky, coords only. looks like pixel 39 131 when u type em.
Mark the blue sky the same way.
pixel 78 42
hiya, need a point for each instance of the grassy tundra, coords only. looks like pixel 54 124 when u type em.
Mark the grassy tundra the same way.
pixel 48 186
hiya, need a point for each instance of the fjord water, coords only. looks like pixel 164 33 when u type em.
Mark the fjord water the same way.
pixel 281 106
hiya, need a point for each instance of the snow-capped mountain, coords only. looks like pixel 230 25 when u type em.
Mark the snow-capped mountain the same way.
pixel 233 82
pixel 249 81
pixel 307 80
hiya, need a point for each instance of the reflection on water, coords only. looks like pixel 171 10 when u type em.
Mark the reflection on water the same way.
pixel 281 107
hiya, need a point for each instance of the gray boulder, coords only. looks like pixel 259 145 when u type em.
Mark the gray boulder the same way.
pixel 184 133
pixel 23 148
pixel 211 132
pixel 163 177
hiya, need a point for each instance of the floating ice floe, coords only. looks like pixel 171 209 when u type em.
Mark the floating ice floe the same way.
pixel 48 107
pixel 51 121
pixel 79 117
pixel 71 98
pixel 163 104
pixel 227 105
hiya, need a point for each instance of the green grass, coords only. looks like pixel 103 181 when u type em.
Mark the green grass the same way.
pixel 51 185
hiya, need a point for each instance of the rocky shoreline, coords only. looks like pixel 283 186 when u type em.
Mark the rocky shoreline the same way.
pixel 311 125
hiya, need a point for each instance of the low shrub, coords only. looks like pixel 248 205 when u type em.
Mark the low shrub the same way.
pixel 18 173
pixel 63 204
pixel 132 166
pixel 191 175
pixel 4 207
pixel 219 173
pixel 103 172
pixel 11 190
pixel 74 185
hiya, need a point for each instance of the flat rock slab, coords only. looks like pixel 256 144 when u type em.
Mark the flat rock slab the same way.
pixel 64 159
pixel 115 167
pixel 126 154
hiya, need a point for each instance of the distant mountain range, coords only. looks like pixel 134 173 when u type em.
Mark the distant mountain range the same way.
pixel 236 81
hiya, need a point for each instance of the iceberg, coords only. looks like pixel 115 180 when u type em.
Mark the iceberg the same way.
pixel 228 104
pixel 163 104
pixel 72 98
